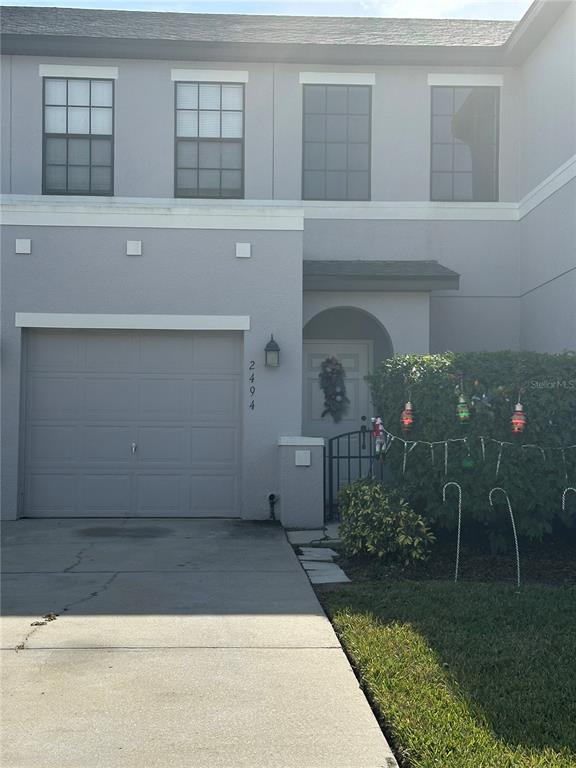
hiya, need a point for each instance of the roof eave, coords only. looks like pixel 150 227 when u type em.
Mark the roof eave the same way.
pixel 382 284
pixel 56 45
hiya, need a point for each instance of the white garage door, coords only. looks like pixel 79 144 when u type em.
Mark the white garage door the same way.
pixel 132 423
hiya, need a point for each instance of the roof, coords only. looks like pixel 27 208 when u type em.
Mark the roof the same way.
pixel 324 275
pixel 101 33
pixel 228 28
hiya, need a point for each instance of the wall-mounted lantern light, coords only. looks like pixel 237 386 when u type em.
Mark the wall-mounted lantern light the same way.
pixel 272 353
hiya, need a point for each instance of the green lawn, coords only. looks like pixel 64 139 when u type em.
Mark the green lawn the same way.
pixel 466 675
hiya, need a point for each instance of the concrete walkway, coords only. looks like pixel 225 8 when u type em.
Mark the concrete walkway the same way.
pixel 177 644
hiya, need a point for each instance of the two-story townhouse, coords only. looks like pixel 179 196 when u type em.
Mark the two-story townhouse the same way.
pixel 179 188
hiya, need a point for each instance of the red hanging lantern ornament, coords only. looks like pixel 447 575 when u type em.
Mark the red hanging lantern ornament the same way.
pixel 518 419
pixel 407 417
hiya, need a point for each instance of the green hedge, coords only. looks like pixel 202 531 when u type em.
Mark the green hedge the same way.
pixel 534 485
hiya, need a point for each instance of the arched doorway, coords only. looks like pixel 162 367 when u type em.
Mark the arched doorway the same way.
pixel 359 341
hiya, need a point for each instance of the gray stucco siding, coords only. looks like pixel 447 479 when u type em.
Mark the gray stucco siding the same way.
pixel 144 127
pixel 548 103
pixel 547 275
pixel 84 270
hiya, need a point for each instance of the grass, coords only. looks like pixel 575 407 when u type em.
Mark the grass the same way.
pixel 466 675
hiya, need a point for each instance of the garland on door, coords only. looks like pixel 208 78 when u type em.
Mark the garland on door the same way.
pixel 331 377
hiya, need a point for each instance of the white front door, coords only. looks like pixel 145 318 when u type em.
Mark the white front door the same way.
pixel 356 358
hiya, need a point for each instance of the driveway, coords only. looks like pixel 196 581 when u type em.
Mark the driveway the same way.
pixel 177 643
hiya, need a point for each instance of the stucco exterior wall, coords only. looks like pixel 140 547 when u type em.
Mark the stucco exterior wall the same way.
pixel 144 127
pixel 84 270
pixel 548 104
pixel 547 277
pixel 405 316
pixel 482 314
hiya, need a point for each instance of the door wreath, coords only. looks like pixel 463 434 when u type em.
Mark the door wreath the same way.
pixel 331 377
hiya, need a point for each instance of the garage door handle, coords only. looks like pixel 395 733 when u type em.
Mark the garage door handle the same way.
pixel 133 447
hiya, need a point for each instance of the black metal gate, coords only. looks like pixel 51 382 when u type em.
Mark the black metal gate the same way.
pixel 349 456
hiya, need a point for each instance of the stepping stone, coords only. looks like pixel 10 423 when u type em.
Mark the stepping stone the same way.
pixel 304 537
pixel 315 565
pixel 333 575
pixel 318 553
pixel 324 573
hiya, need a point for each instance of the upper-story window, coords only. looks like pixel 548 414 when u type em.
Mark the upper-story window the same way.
pixel 336 142
pixel 465 128
pixel 78 137
pixel 209 140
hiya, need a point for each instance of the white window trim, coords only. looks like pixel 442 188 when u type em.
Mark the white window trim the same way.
pixel 133 322
pixel 209 75
pixel 68 70
pixel 337 78
pixel 456 79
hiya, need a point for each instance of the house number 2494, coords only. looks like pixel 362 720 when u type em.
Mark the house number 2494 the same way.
pixel 251 385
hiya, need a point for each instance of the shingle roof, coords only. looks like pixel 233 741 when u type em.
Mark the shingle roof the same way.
pixel 225 28
pixel 365 275
pixel 362 269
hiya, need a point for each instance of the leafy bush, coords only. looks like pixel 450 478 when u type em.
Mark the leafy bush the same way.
pixel 378 522
pixel 492 380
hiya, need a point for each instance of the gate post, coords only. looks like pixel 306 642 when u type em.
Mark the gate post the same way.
pixel 301 475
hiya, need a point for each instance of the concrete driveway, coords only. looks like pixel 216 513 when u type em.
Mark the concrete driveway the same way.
pixel 177 643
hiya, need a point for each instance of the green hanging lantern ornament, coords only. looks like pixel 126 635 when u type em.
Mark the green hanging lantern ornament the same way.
pixel 463 409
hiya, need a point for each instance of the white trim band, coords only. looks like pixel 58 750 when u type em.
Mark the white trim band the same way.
pixel 411 211
pixel 557 179
pixel 51 211
pixel 337 78
pixel 133 322
pixel 210 75
pixel 301 441
pixel 449 78
pixel 71 70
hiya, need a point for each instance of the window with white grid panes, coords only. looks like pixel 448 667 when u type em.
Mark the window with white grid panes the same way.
pixel 209 146
pixel 78 136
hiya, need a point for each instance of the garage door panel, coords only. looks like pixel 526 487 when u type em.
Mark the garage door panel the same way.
pixel 48 351
pixel 213 495
pixel 216 400
pixel 162 398
pixel 110 352
pixel 106 443
pixel 216 353
pixel 162 445
pixel 109 398
pixel 54 397
pixel 166 352
pixel 53 443
pixel 53 494
pixel 106 494
pixel 132 423
pixel 161 495
pixel 214 446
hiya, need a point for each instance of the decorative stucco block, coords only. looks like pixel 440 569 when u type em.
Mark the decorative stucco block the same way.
pixel 23 246
pixel 133 247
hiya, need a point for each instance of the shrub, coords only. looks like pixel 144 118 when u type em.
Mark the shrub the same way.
pixel 378 522
pixel 534 481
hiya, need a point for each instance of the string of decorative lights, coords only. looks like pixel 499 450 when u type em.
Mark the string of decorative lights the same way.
pixel 386 438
